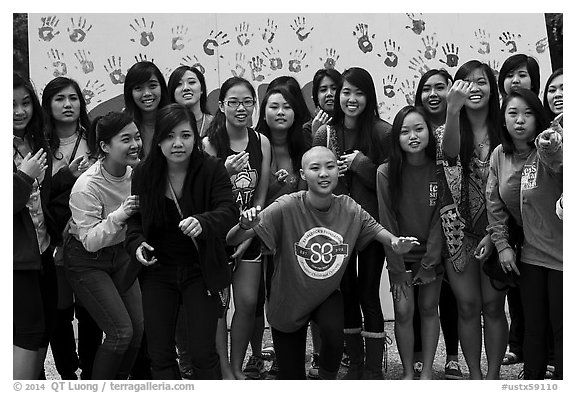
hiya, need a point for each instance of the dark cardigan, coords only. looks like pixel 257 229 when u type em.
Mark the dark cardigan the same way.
pixel 207 196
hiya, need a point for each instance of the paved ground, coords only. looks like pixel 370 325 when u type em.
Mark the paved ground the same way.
pixel 394 370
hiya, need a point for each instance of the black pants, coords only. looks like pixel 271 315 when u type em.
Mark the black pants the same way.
pixel 290 348
pixel 163 287
pixel 541 291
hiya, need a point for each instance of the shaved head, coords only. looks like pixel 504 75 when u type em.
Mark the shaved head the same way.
pixel 316 153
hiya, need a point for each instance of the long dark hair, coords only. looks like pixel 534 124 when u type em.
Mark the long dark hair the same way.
pixel 296 140
pixel 216 132
pixel 367 141
pixel 429 74
pixel 34 129
pixel 139 74
pixel 175 78
pixel 106 127
pixel 466 135
pixel 514 62
pixel 397 156
pixel 290 83
pixel 533 102
pixel 54 87
pixel 154 167
pixel 551 115
pixel 317 79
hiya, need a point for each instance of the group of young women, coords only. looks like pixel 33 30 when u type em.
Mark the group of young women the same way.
pixel 130 213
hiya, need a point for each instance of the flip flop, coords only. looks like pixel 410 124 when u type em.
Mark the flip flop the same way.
pixel 510 358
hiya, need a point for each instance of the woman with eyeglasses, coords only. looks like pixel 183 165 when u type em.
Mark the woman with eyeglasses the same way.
pixel 247 160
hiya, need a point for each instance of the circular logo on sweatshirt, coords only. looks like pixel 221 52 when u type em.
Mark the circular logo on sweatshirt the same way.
pixel 320 252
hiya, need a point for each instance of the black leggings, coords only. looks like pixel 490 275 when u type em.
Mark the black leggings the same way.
pixel 290 348
pixel 541 291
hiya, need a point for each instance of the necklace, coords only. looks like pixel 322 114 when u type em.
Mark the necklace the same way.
pixel 484 142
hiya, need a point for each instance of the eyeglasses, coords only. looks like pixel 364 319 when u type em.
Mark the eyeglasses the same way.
pixel 247 103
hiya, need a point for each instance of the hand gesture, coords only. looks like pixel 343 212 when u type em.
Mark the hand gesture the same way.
pixel 320 119
pixel 399 290
pixel 190 226
pixel 131 205
pixel 549 140
pixel 508 261
pixel 236 162
pixel 403 244
pixel 348 158
pixel 458 94
pixel 34 165
pixel 144 254
pixel 281 175
pixel 250 217
pixel 342 167
pixel 484 249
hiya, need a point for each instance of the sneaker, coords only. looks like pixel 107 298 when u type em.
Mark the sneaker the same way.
pixel 313 371
pixel 417 366
pixel 268 353
pixel 452 370
pixel 549 372
pixel 254 367
pixel 345 362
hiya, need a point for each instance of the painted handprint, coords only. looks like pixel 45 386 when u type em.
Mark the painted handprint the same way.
pixel 178 34
pixel 408 88
pixel 495 66
pixel 114 70
pixel 214 41
pixel 509 40
pixel 193 62
pixel 269 31
pixel 273 56
pixel 257 66
pixel 300 28
pixel 390 85
pixel 418 24
pixel 483 39
pixel 85 62
pixel 92 90
pixel 418 64
pixel 243 36
pixel 541 45
pixel 391 50
pixel 386 109
pixel 331 58
pixel 239 68
pixel 146 33
pixel 298 56
pixel 430 46
pixel 48 29
pixel 451 53
pixel 142 57
pixel 363 40
pixel 77 32
pixel 57 61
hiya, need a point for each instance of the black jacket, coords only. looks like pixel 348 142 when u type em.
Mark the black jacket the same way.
pixel 207 196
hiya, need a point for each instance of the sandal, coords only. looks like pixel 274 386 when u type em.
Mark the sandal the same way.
pixel 510 358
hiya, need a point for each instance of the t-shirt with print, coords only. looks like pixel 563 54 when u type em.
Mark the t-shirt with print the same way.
pixel 311 251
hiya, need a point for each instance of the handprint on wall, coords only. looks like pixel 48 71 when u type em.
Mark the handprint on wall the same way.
pixel 390 85
pixel 386 109
pixel 48 30
pixel 257 67
pixel 146 33
pixel 273 56
pixel 193 62
pixel 451 53
pixel 483 39
pixel 214 41
pixel 239 68
pixel 297 57
pixel 495 66
pixel 300 28
pixel 541 45
pixel 57 61
pixel 78 31
pixel 408 88
pixel 178 36
pixel 85 62
pixel 391 50
pixel 509 40
pixel 418 24
pixel 331 58
pixel 430 46
pixel 418 64
pixel 363 39
pixel 243 36
pixel 92 90
pixel 142 57
pixel 114 70
pixel 269 31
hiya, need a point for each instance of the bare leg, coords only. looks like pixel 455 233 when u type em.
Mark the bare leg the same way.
pixel 404 332
pixel 429 296
pixel 25 363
